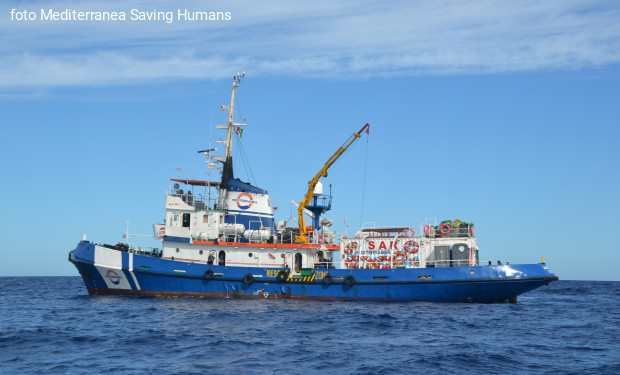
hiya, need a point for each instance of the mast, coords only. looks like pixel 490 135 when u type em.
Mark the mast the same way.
pixel 227 168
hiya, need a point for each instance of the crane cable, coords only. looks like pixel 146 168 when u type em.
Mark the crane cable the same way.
pixel 364 183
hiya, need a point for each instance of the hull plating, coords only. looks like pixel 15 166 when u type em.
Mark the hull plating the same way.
pixel 131 274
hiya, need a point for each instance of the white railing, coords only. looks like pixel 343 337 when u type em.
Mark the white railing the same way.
pixel 449 230
pixel 139 250
pixel 197 201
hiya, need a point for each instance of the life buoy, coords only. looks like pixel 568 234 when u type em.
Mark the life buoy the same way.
pixel 350 248
pixel 427 229
pixel 410 233
pixel 248 279
pixel 370 262
pixel 471 229
pixel 282 275
pixel 415 261
pixel 349 280
pixel 444 229
pixel 400 258
pixel 320 238
pixel 327 279
pixel 351 262
pixel 209 274
pixel 411 247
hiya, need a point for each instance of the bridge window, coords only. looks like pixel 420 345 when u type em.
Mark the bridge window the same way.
pixel 186 220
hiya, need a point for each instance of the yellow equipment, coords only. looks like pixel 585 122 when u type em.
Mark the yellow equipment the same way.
pixel 302 238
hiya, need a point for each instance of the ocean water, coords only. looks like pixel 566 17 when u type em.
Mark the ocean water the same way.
pixel 50 325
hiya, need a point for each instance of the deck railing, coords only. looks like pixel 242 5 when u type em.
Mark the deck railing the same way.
pixel 198 201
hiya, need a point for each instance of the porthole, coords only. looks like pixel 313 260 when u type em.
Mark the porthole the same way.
pixel 250 255
pixel 200 252
pixel 177 249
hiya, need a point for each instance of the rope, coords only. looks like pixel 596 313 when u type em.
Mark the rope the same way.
pixel 245 161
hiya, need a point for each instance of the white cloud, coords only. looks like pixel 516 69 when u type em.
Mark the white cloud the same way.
pixel 318 38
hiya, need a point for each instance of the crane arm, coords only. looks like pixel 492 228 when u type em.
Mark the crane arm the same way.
pixel 302 238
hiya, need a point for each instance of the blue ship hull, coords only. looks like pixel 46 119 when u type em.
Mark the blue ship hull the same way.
pixel 143 275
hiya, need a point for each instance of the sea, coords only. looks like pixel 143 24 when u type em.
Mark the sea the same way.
pixel 49 325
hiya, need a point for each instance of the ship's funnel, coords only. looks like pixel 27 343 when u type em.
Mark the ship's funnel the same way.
pixel 246 205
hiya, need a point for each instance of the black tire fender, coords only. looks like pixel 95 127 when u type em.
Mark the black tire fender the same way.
pixel 209 274
pixel 282 275
pixel 248 279
pixel 327 279
pixel 349 280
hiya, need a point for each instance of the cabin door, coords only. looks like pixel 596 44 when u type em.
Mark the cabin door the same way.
pixel 288 260
pixel 298 264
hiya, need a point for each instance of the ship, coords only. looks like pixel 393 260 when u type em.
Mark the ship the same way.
pixel 220 240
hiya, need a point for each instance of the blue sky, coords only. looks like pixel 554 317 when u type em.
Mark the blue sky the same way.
pixel 500 113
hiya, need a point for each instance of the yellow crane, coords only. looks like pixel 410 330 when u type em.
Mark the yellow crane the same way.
pixel 302 238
